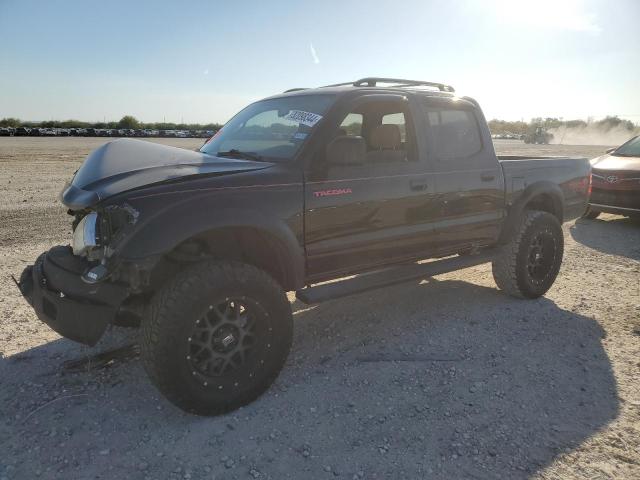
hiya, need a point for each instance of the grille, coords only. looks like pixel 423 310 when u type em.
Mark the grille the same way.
pixel 616 180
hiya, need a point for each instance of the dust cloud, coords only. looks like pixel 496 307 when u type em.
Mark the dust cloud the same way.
pixel 592 134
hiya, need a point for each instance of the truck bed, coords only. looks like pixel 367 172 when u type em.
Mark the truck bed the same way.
pixel 569 174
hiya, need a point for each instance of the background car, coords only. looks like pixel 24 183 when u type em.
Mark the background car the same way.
pixel 616 181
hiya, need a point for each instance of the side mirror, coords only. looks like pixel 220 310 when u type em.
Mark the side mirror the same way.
pixel 346 150
pixel 609 150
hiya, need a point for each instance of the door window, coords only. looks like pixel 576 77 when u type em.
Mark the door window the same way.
pixel 375 134
pixel 456 134
pixel 352 125
pixel 398 120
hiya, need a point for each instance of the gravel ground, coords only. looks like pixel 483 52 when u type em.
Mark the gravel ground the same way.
pixel 406 382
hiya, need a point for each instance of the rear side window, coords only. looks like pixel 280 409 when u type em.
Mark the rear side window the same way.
pixel 455 133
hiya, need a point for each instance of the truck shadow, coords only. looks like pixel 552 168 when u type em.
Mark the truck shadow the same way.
pixel 441 379
pixel 597 234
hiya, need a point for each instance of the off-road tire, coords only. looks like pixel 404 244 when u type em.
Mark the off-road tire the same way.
pixel 186 301
pixel 590 214
pixel 511 268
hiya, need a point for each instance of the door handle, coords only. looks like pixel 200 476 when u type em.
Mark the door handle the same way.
pixel 418 185
pixel 487 177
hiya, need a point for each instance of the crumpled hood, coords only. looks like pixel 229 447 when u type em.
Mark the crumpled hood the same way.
pixel 128 164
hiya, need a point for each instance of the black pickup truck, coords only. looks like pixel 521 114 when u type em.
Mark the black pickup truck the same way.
pixel 368 183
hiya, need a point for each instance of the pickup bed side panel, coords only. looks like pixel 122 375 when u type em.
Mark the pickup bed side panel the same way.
pixel 559 183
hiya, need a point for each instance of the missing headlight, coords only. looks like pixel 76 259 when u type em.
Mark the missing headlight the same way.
pixel 85 235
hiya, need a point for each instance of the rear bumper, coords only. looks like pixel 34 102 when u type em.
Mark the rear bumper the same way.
pixel 76 310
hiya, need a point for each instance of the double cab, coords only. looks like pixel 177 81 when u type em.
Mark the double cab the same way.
pixel 358 183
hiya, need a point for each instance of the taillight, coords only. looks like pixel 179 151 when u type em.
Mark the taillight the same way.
pixel 590 187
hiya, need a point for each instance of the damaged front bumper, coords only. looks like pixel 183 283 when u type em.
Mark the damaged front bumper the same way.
pixel 75 309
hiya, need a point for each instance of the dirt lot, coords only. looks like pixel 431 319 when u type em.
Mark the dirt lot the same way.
pixel 445 378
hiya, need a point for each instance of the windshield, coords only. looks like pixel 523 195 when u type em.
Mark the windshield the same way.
pixel 629 149
pixel 270 129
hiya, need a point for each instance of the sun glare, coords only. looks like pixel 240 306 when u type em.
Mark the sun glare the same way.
pixel 563 15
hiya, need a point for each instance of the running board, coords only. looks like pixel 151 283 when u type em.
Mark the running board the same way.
pixel 391 276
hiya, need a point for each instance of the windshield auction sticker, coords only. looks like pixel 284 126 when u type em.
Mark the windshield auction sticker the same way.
pixel 305 118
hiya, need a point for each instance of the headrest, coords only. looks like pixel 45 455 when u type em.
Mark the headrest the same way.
pixel 386 137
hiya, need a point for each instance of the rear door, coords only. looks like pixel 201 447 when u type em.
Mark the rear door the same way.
pixel 371 202
pixel 469 179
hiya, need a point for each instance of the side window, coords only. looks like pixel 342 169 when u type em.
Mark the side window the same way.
pixel 375 138
pixel 380 132
pixel 398 120
pixel 456 134
pixel 352 125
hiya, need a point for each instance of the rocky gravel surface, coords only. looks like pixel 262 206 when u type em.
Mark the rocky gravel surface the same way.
pixel 446 378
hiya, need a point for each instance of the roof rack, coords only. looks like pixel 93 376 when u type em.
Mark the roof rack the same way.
pixel 295 89
pixel 398 82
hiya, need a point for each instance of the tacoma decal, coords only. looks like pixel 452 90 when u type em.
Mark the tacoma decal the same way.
pixel 335 191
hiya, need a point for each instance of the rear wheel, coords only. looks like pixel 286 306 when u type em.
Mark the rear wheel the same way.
pixel 216 337
pixel 529 263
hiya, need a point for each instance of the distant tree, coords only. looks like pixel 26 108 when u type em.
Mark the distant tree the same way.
pixel 503 126
pixel 575 124
pixel 10 122
pixel 128 121
pixel 612 122
pixel 550 122
pixel 165 126
pixel 74 124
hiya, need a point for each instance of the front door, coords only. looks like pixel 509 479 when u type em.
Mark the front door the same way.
pixel 369 196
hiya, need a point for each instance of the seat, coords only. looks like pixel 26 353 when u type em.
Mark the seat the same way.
pixel 386 143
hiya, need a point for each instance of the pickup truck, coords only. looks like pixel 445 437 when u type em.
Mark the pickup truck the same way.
pixel 324 192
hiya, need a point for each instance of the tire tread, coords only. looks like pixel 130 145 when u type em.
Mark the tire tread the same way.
pixel 505 266
pixel 159 326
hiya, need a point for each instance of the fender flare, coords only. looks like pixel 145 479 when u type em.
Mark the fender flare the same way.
pixel 154 237
pixel 547 188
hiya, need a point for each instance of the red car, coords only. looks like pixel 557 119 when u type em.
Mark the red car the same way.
pixel 616 181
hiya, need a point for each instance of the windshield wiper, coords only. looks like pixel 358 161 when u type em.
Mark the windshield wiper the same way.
pixel 237 153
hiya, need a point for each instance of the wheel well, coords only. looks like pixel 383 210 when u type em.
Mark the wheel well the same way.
pixel 245 244
pixel 546 203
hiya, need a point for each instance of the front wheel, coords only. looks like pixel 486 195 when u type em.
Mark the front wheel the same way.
pixel 529 263
pixel 216 336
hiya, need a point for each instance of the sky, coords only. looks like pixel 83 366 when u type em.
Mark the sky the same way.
pixel 202 61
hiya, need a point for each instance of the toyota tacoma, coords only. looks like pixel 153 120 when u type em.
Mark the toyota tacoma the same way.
pixel 367 184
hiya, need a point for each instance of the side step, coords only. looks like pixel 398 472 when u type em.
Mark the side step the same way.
pixel 390 276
